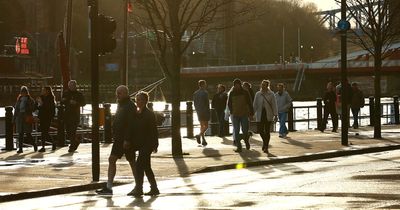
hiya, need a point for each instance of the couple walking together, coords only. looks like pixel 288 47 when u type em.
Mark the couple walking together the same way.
pixel 134 130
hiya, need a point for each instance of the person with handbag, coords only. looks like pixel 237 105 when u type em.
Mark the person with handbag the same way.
pixel 23 118
pixel 265 111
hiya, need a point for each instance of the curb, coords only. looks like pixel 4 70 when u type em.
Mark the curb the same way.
pixel 302 158
pixel 49 192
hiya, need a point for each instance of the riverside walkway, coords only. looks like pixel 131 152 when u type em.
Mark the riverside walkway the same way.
pixel 33 174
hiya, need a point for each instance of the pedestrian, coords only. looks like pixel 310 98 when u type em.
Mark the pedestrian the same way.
pixel 247 86
pixel 23 118
pixel 73 100
pixel 46 106
pixel 219 104
pixel 123 135
pixel 357 102
pixel 284 102
pixel 241 108
pixel 201 104
pixel 340 89
pixel 265 111
pixel 147 142
pixel 329 107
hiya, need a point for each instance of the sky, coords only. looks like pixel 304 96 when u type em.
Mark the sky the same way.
pixel 324 4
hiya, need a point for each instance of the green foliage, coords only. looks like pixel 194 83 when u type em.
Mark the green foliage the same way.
pixel 261 41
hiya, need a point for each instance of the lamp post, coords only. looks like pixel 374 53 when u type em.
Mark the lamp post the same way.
pixel 312 52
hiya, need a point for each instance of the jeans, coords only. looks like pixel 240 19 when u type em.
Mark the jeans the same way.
pixel 355 116
pixel 221 123
pixel 282 123
pixel 238 121
pixel 143 165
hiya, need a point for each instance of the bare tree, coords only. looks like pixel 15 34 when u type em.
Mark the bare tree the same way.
pixel 378 21
pixel 175 24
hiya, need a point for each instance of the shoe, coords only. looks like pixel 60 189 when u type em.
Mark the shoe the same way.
pixel 198 139
pixel 334 130
pixel 136 193
pixel 54 147
pixel 42 149
pixel 20 151
pixel 204 143
pixel 246 141
pixel 34 147
pixel 238 149
pixel 70 150
pixel 153 192
pixel 104 191
pixel 280 136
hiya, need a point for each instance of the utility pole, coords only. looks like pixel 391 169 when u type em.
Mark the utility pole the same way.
pixel 68 30
pixel 93 13
pixel 344 93
pixel 124 76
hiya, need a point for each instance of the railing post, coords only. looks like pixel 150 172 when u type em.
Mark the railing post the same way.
pixel 9 129
pixel 189 119
pixel 291 119
pixel 60 126
pixel 396 109
pixel 371 110
pixel 214 122
pixel 107 123
pixel 319 114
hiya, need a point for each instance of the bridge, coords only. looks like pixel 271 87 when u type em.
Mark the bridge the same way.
pixel 302 77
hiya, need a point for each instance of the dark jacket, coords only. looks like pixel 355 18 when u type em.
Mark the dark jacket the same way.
pixel 357 100
pixel 239 103
pixel 329 100
pixel 72 111
pixel 47 108
pixel 219 101
pixel 146 138
pixel 124 120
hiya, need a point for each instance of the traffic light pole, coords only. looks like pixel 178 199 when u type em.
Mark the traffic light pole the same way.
pixel 93 13
pixel 124 76
pixel 344 85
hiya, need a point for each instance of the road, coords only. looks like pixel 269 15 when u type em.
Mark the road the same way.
pixel 367 181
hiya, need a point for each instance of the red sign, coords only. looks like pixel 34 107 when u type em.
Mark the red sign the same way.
pixel 21 46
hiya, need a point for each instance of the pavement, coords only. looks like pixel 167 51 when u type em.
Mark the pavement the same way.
pixel 33 174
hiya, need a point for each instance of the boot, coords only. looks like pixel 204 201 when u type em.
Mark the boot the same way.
pixel 153 191
pixel 20 143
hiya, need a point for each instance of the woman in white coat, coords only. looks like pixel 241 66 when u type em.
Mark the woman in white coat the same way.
pixel 266 111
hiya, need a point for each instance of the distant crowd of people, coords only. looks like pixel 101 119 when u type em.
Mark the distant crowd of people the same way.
pixel 26 105
pixel 241 104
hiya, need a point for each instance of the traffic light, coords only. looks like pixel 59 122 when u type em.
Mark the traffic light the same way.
pixel 105 34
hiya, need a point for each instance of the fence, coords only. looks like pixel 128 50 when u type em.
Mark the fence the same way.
pixel 299 118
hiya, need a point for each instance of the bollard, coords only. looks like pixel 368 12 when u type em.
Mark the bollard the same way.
pixel 214 122
pixel 189 119
pixel 9 129
pixel 371 110
pixel 107 123
pixel 319 114
pixel 60 126
pixel 396 109
pixel 290 118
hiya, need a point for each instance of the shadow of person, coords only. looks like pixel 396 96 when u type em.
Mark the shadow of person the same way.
pixel 141 202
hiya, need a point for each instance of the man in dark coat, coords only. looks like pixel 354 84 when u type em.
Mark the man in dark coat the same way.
pixel 73 100
pixel 219 104
pixel 357 102
pixel 123 123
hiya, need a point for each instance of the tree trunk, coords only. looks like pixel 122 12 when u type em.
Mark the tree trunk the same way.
pixel 377 87
pixel 176 116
